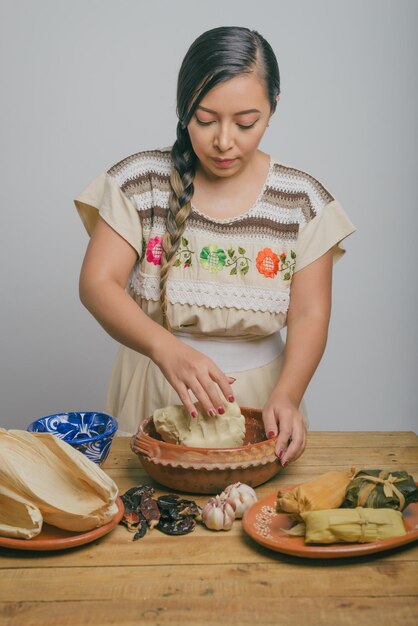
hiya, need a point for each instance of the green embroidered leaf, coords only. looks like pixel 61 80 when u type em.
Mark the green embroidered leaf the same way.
pixel 241 250
pixel 233 271
pixel 286 276
pixel 176 263
pixel 293 254
pixel 184 242
pixel 231 252
pixel 245 269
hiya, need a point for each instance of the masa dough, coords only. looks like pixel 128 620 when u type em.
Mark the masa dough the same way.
pixel 175 425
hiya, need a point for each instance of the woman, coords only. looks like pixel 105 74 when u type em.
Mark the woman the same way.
pixel 220 246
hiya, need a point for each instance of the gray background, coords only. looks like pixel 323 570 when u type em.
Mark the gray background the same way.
pixel 88 82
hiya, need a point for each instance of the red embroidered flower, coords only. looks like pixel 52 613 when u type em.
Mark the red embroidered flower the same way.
pixel 267 262
pixel 155 250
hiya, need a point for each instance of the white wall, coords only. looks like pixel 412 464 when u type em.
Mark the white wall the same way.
pixel 87 82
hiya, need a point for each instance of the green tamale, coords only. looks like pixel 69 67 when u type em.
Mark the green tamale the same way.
pixel 349 525
pixel 379 489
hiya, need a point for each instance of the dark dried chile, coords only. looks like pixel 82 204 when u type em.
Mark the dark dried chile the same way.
pixel 149 509
pixel 142 529
pixel 171 514
pixel 177 527
pixel 168 501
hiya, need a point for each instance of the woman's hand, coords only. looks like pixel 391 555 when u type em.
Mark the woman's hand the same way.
pixel 281 414
pixel 187 369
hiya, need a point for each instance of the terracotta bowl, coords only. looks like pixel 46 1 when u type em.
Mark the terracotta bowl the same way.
pixel 208 470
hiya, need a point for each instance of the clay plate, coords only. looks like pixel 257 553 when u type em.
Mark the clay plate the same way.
pixel 53 538
pixel 208 470
pixel 264 525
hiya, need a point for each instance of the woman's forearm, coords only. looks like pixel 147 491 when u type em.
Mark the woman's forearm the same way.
pixel 307 328
pixel 305 345
pixel 122 318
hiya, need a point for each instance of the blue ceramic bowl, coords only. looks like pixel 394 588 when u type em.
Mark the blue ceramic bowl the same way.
pixel 89 432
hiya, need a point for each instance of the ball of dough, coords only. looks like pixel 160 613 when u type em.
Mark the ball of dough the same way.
pixel 175 425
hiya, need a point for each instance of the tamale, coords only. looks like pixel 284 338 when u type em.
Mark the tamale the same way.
pixel 325 492
pixel 378 489
pixel 357 525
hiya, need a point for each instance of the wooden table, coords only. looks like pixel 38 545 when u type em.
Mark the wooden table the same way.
pixel 219 578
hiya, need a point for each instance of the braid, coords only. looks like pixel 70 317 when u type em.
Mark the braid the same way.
pixel 179 207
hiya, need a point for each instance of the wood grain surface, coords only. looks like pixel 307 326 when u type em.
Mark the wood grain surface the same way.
pixel 219 578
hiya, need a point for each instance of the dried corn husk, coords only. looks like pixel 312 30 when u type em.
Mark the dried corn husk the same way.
pixel 19 518
pixel 71 491
pixel 377 489
pixel 325 492
pixel 349 525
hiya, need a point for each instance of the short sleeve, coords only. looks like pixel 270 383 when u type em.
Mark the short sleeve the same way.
pixel 324 232
pixel 104 197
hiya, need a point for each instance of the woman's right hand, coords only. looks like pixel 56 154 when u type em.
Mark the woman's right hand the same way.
pixel 187 369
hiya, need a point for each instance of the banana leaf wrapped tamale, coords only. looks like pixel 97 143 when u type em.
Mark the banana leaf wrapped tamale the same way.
pixel 380 489
pixel 357 525
pixel 325 492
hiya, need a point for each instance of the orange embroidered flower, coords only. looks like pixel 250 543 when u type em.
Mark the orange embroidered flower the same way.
pixel 267 263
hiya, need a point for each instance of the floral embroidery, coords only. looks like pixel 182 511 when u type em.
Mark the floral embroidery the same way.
pixel 239 263
pixel 267 262
pixel 183 254
pixel 155 250
pixel 212 258
pixel 287 264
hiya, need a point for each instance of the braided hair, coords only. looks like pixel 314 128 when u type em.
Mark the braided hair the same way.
pixel 214 57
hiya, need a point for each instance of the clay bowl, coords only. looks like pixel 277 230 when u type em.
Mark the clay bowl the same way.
pixel 208 470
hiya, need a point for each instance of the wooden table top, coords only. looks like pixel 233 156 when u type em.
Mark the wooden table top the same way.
pixel 219 578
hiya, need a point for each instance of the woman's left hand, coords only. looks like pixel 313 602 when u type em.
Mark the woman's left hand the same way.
pixel 281 415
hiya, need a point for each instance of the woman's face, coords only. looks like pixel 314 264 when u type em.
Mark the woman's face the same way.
pixel 228 125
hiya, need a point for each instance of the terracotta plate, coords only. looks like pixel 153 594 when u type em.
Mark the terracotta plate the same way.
pixel 264 525
pixel 53 538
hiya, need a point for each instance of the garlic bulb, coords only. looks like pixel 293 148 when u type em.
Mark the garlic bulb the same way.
pixel 241 497
pixel 218 514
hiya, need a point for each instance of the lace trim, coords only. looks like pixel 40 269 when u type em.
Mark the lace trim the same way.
pixel 212 295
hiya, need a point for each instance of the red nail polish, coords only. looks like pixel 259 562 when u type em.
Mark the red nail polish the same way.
pixel 221 410
pixel 271 434
pixel 231 398
pixel 193 414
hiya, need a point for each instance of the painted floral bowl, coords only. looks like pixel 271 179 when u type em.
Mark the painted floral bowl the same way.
pixel 89 432
pixel 208 470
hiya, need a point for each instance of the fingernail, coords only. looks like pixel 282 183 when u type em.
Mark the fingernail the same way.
pixel 279 454
pixel 271 434
pixel 193 414
pixel 231 398
pixel 284 462
pixel 211 412
pixel 232 378
pixel 221 410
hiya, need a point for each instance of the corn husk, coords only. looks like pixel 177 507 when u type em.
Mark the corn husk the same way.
pixel 70 491
pixel 325 492
pixel 19 518
pixel 349 525
pixel 377 489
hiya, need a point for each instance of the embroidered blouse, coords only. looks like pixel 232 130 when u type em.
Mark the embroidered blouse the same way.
pixel 231 277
